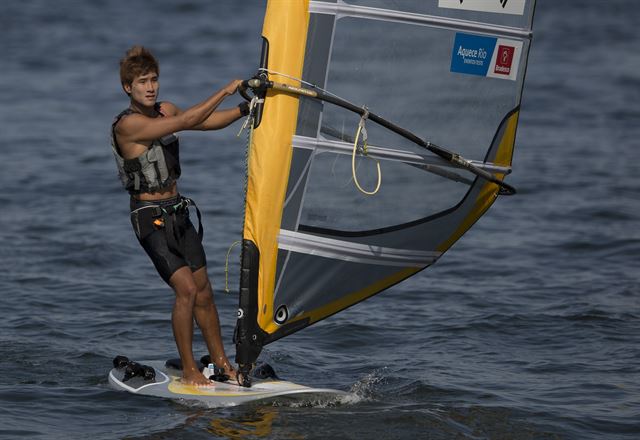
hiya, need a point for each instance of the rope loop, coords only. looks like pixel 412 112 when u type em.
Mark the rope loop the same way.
pixel 362 131
pixel 248 122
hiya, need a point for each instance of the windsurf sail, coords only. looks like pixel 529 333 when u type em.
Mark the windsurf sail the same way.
pixel 381 132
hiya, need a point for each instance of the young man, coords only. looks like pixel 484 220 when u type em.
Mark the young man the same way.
pixel 147 155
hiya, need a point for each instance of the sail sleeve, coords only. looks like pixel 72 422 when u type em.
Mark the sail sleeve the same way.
pixel 450 72
pixel 269 158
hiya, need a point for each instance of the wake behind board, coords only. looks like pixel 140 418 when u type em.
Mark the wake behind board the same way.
pixel 167 383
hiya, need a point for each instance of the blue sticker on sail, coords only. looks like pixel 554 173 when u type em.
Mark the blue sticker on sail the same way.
pixel 472 54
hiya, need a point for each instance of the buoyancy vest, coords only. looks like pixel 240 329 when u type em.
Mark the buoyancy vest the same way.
pixel 155 169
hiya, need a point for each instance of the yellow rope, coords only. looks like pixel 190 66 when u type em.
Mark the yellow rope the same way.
pixel 363 130
pixel 226 266
pixel 249 123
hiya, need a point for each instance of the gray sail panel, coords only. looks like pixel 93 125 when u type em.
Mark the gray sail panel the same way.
pixel 312 282
pixel 416 90
pixel 317 53
pixel 338 246
pixel 407 193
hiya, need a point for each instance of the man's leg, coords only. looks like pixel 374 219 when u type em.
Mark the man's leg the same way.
pixel 206 315
pixel 184 286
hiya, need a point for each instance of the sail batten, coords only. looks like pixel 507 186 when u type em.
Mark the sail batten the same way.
pixel 386 153
pixel 355 252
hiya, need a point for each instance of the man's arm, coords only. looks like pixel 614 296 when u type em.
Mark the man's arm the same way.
pixel 220 119
pixel 139 128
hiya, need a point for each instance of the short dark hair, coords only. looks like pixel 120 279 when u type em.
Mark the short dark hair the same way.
pixel 138 61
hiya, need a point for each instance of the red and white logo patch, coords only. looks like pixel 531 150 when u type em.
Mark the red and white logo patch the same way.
pixel 504 60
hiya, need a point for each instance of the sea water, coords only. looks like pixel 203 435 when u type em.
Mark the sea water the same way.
pixel 528 328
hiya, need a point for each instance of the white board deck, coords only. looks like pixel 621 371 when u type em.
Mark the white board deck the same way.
pixel 168 384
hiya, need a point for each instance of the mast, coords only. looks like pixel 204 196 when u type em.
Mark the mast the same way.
pixel 284 39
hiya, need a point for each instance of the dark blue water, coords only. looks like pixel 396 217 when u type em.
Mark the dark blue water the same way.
pixel 529 328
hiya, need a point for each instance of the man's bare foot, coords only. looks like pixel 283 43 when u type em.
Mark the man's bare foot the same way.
pixel 231 372
pixel 194 377
pixel 228 368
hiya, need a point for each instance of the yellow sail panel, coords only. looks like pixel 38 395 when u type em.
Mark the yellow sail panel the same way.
pixel 507 143
pixel 285 29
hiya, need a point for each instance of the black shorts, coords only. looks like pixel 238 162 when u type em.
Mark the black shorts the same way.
pixel 171 241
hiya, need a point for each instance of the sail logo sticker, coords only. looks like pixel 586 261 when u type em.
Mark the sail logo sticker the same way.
pixel 504 60
pixel 472 54
pixel 513 7
pixel 486 56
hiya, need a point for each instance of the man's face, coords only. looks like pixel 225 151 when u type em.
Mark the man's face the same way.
pixel 144 89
